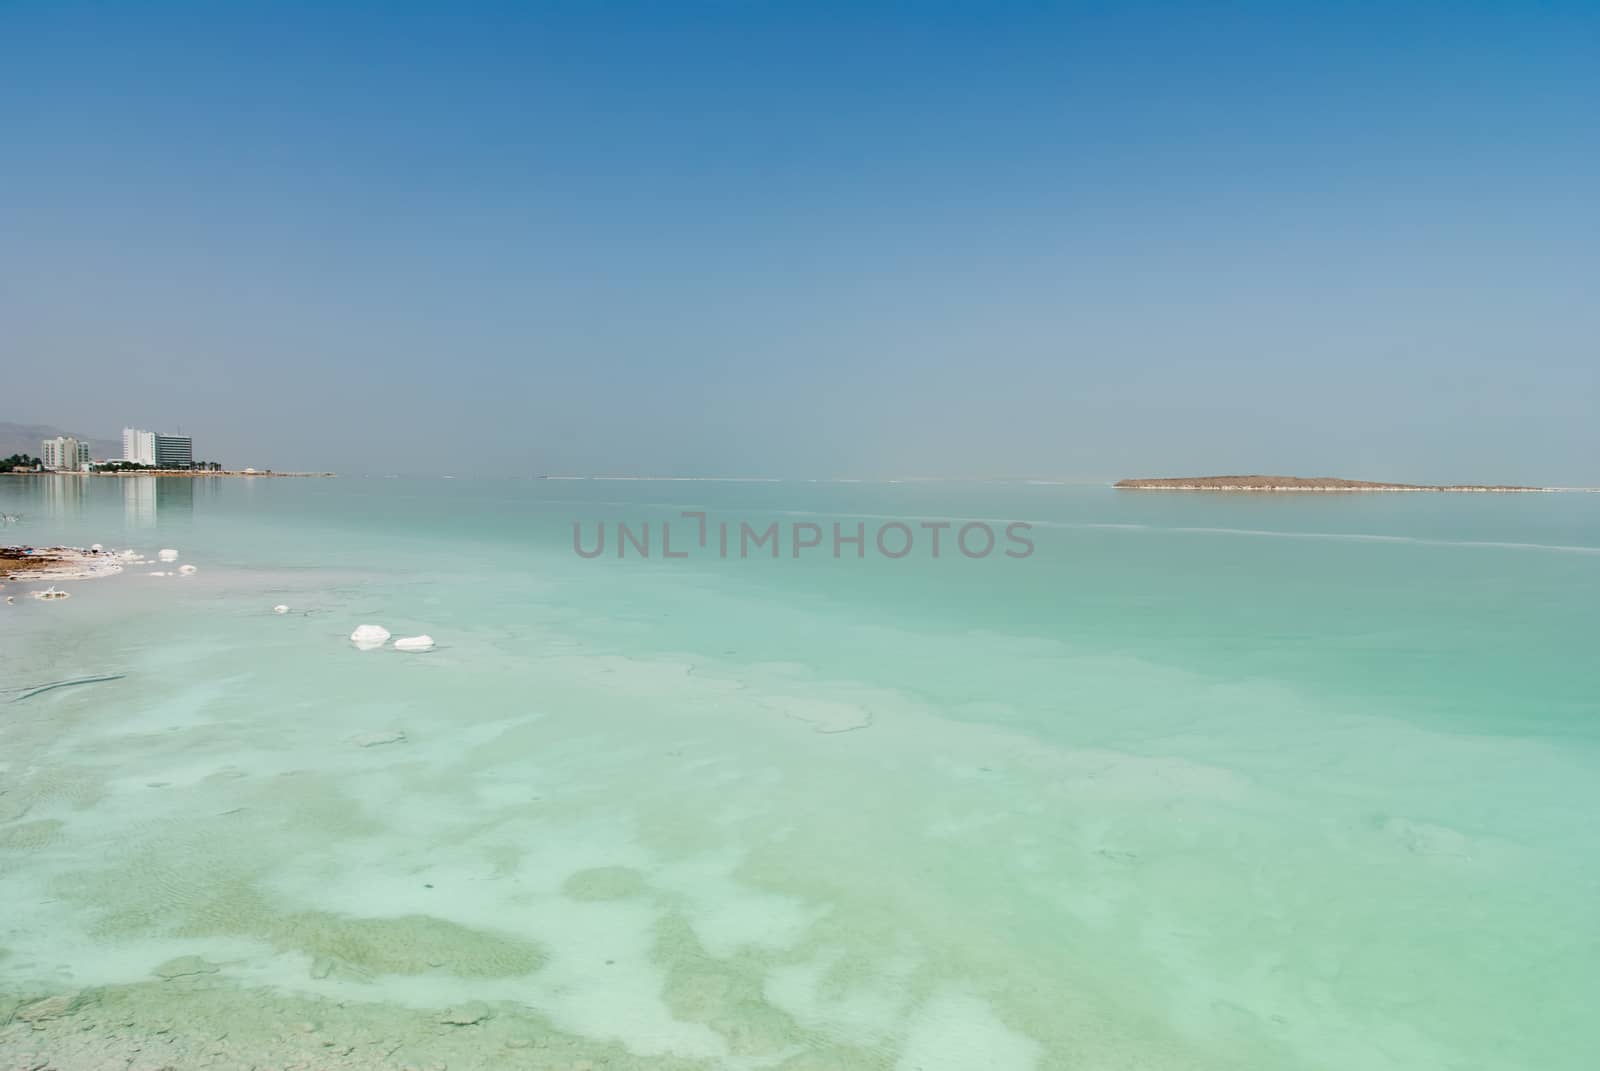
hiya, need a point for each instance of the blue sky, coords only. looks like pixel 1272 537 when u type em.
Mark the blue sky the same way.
pixel 1083 241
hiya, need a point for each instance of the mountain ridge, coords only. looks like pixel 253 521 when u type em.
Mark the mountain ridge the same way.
pixel 25 439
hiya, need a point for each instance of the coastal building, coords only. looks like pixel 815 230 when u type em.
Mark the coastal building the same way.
pixel 138 446
pixel 64 453
pixel 153 448
pixel 174 451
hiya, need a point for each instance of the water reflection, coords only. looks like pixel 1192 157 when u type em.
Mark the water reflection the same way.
pixel 138 501
pixel 175 494
pixel 44 509
pixel 146 498
pixel 63 495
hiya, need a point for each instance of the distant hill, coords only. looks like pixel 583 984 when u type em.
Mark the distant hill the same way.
pixel 25 439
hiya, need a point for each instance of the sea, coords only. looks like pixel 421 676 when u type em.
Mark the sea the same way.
pixel 1169 781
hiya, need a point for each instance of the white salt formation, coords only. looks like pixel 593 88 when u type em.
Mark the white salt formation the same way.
pixel 187 570
pixel 167 554
pixel 369 637
pixel 414 643
pixel 280 609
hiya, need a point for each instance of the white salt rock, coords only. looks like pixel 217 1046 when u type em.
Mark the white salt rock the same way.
pixel 414 643
pixel 167 554
pixel 157 573
pixel 368 637
pixel 280 609
pixel 187 570
pixel 96 547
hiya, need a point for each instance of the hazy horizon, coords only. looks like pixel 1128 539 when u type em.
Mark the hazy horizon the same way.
pixel 712 240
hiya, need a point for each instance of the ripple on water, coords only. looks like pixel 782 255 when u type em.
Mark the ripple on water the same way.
pixel 30 836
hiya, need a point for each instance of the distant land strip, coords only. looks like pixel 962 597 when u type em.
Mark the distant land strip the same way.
pixel 188 474
pixel 1299 483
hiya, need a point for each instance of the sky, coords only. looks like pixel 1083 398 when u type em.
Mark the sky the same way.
pixel 1076 241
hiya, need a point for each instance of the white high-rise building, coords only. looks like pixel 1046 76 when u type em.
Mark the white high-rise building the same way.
pixel 139 446
pixel 64 453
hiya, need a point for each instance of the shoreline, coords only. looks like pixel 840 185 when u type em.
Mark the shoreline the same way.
pixel 26 564
pixel 190 1014
pixel 191 474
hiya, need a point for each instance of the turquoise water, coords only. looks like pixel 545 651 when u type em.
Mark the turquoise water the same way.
pixel 1207 781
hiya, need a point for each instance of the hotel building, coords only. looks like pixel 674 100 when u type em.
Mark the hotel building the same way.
pixel 139 447
pixel 174 452
pixel 64 454
pixel 153 448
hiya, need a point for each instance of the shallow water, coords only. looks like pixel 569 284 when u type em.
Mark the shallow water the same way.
pixel 1208 781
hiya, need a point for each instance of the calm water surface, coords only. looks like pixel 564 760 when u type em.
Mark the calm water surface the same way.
pixel 1207 781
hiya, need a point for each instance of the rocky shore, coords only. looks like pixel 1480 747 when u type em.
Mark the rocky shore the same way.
pixel 187 1018
pixel 1298 483
pixel 58 563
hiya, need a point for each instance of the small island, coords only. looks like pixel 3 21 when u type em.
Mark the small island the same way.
pixel 1297 483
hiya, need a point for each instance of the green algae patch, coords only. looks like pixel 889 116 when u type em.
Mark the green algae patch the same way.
pixel 605 883
pixel 30 836
pixel 351 946
pixel 409 944
pixel 725 995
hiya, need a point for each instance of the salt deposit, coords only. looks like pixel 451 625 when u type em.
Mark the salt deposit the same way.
pixel 369 637
pixel 414 643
